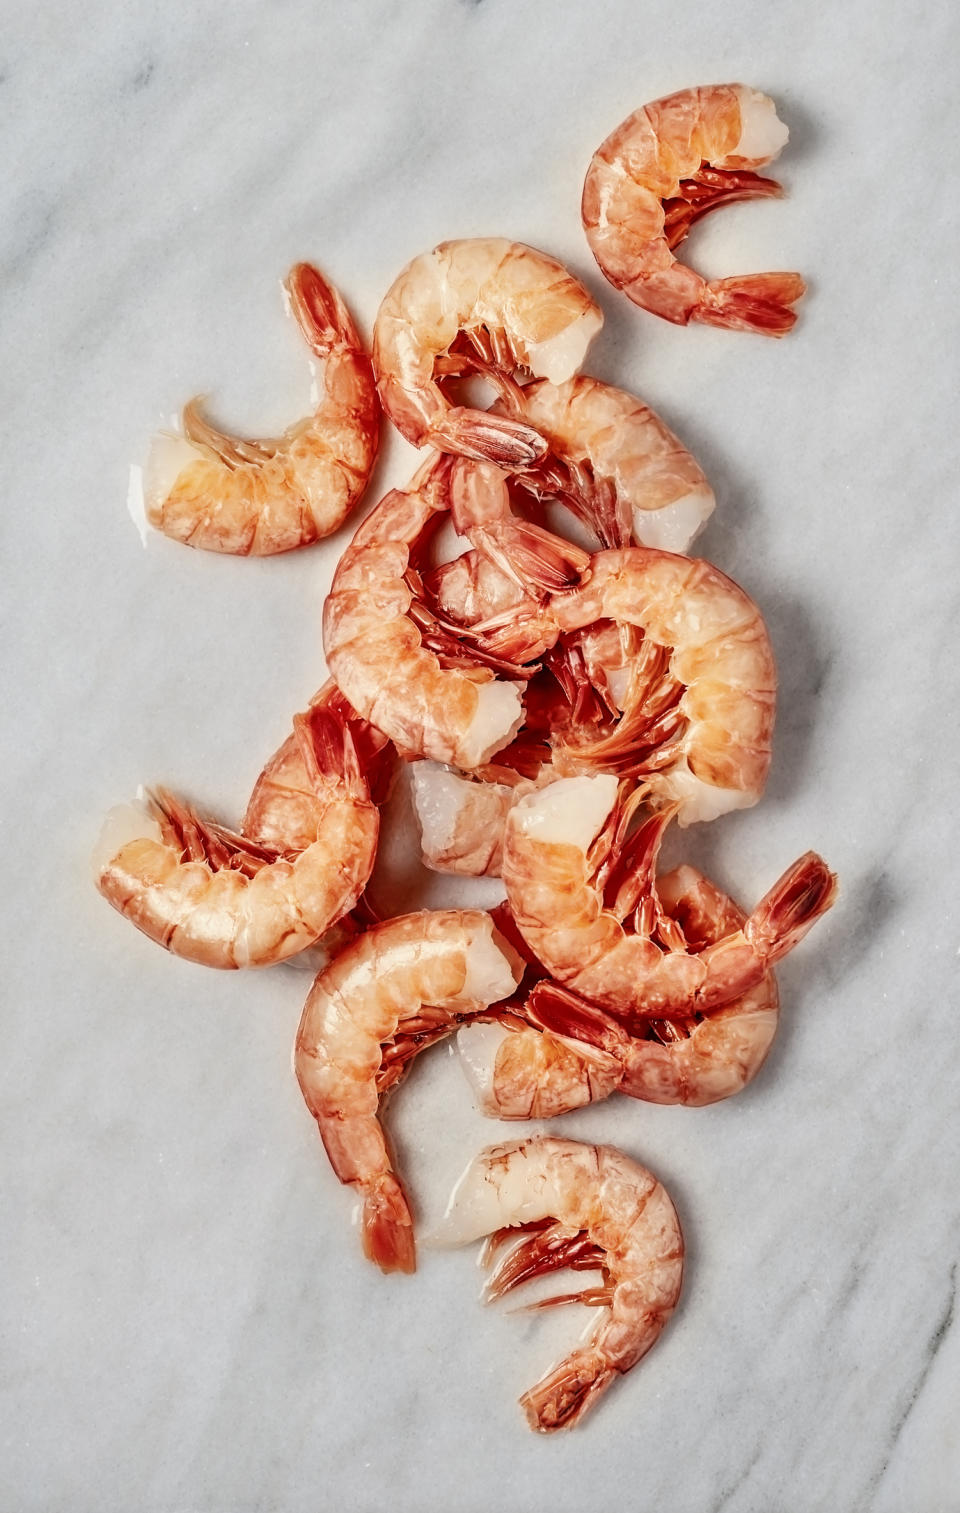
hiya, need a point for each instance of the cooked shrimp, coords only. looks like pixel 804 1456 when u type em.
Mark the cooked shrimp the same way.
pixel 483 300
pixel 398 667
pixel 224 900
pixel 615 464
pixel 401 986
pixel 261 497
pixel 580 1054
pixel 286 808
pixel 462 815
pixel 662 169
pixel 612 462
pixel 587 1207
pixel 584 900
pixel 698 711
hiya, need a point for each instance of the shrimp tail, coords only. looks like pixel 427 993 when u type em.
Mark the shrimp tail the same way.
pixel 778 923
pixel 794 903
pixel 757 302
pixel 319 311
pixel 533 557
pixel 564 1395
pixel 487 438
pixel 387 1226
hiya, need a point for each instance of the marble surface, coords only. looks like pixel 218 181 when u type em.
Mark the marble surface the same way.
pixel 187 1324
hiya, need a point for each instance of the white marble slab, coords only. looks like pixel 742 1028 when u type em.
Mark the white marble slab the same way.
pixel 187 1324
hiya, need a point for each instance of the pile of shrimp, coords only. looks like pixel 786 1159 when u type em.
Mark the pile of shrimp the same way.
pixel 557 705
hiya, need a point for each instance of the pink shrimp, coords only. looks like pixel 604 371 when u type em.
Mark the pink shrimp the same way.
pixel 587 1207
pixel 217 492
pixel 581 1054
pixel 487 299
pixel 399 666
pixel 583 898
pixel 401 986
pixel 663 168
pixel 226 900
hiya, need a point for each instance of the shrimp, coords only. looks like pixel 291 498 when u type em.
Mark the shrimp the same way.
pixel 580 1055
pixel 261 497
pixel 225 900
pixel 584 899
pixel 285 809
pixel 612 462
pixel 403 985
pixel 663 168
pixel 587 1207
pixel 699 707
pixel 396 664
pixel 485 301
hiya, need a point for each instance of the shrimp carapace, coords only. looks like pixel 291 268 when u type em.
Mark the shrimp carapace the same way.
pixel 226 900
pixel 663 168
pixel 480 305
pixel 582 891
pixel 398 988
pixel 586 1207
pixel 224 494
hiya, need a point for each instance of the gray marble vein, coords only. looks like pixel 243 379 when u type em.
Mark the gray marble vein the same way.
pixel 187 1325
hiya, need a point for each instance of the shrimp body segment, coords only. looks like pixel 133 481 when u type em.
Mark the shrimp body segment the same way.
pixel 224 900
pixel 586 904
pixel 430 696
pixel 479 303
pixel 663 168
pixel 586 1207
pixel 581 1054
pixel 258 498
pixel 409 980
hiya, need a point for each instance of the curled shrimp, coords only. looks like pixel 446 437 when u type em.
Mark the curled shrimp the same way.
pixel 226 900
pixel 394 990
pixel 663 168
pixel 482 300
pixel 579 1054
pixel 262 497
pixel 587 1207
pixel 611 461
pixel 396 664
pixel 583 896
pixel 285 809
pixel 698 711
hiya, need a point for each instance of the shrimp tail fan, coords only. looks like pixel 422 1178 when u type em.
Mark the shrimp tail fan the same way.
pixel 562 1397
pixel 758 302
pixel 487 438
pixel 536 559
pixel 794 903
pixel 388 1227
pixel 320 312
